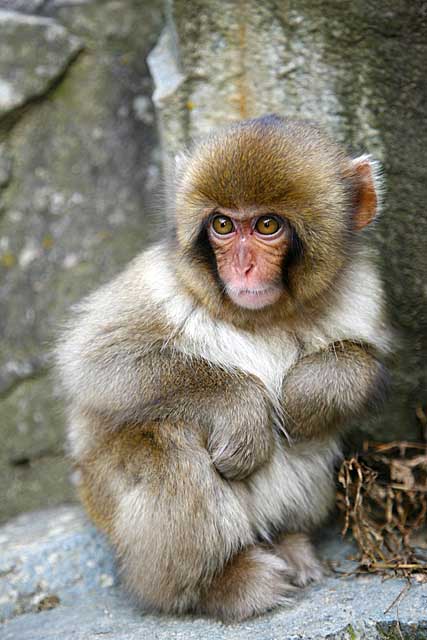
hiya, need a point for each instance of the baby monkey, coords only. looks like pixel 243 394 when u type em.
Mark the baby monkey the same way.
pixel 209 382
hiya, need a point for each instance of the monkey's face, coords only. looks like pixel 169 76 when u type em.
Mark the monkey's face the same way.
pixel 266 212
pixel 250 248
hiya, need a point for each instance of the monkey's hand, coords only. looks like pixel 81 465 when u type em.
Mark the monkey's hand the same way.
pixel 232 410
pixel 241 435
pixel 325 389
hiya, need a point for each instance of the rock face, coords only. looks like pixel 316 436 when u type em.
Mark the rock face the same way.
pixel 80 164
pixel 35 52
pixel 359 70
pixel 78 170
pixel 57 582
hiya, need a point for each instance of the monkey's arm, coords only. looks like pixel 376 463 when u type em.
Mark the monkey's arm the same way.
pixel 119 382
pixel 233 410
pixel 325 389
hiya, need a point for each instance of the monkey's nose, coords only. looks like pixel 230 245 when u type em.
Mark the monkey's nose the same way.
pixel 244 259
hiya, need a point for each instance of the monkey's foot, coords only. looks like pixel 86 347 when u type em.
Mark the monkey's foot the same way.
pixel 255 581
pixel 302 564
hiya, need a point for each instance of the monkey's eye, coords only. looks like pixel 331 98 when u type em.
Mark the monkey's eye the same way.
pixel 222 225
pixel 267 225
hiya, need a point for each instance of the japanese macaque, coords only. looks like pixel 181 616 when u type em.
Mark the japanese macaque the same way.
pixel 208 383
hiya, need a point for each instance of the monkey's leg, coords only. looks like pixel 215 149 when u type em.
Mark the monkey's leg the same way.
pixel 298 553
pixel 182 533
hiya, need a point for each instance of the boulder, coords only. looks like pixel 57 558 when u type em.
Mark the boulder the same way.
pixel 34 53
pixel 79 169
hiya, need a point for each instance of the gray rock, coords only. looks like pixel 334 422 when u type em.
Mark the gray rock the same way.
pixel 5 166
pixel 33 471
pixel 34 52
pixel 361 73
pixel 25 6
pixel 56 559
pixel 79 169
pixel 168 96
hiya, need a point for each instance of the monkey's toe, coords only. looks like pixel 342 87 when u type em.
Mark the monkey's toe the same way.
pixel 254 582
pixel 298 553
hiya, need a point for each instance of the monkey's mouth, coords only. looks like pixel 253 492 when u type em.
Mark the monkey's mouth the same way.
pixel 253 298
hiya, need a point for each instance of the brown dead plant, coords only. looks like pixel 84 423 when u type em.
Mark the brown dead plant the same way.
pixel 383 496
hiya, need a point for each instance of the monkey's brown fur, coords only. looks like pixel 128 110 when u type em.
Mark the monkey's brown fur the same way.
pixel 179 401
pixel 292 168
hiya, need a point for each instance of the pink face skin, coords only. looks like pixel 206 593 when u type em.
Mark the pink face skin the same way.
pixel 249 262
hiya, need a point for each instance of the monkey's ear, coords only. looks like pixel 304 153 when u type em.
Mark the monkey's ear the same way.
pixel 366 196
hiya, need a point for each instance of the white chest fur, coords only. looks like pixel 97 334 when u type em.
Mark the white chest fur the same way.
pixel 267 357
pixel 356 314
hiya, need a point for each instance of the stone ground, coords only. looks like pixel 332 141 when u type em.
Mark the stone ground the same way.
pixel 57 581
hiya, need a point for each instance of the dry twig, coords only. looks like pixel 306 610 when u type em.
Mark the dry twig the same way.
pixel 383 496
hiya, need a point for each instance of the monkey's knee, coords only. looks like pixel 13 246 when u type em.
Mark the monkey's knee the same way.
pixel 173 520
pixel 171 547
